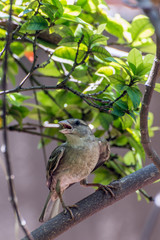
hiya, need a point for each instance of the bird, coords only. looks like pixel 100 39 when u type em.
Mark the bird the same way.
pixel 72 162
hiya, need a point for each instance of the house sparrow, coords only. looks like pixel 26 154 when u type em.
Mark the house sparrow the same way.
pixel 72 162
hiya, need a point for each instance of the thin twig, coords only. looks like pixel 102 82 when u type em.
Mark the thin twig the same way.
pixel 10 176
pixel 24 130
pixel 37 103
pixel 76 64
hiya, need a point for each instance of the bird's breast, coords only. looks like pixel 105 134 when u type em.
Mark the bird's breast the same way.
pixel 78 163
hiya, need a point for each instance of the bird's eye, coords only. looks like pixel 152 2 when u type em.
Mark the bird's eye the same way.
pixel 77 123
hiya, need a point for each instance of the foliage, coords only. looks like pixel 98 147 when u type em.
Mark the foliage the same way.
pixel 85 80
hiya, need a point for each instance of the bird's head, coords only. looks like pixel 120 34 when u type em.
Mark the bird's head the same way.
pixel 75 128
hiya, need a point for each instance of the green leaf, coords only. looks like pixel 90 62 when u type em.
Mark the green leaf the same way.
pixel 66 99
pixel 64 55
pixel 145 68
pixel 59 6
pixel 67 55
pixel 87 33
pixel 49 70
pixel 129 158
pixel 121 141
pixel 72 10
pixel 114 28
pixel 119 108
pixel 115 78
pixel 49 10
pixel 68 41
pixel 135 141
pixel 101 28
pixel 73 19
pixel 17 48
pixel 145 45
pixel 100 52
pixel 117 111
pixel 141 27
pixel 26 11
pixel 62 30
pixel 2 33
pixel 17 99
pixel 105 120
pixel 127 121
pixel 97 39
pixel 135 96
pixel 157 87
pixel 103 176
pixel 18 113
pixel 119 62
pixel 104 72
pixel 89 6
pixel 37 23
pixel 134 59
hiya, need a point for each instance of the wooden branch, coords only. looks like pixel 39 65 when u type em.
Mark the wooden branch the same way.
pixel 153 14
pixel 53 38
pixel 96 202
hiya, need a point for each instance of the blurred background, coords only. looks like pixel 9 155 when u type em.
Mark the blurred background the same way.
pixel 125 220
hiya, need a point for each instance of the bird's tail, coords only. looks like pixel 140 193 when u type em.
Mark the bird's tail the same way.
pixel 51 209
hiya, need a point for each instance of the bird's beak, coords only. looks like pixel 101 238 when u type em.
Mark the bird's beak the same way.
pixel 66 127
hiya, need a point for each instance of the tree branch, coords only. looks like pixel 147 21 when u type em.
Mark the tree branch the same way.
pixel 154 16
pixel 95 202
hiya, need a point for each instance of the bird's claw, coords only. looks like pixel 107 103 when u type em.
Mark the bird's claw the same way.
pixel 68 209
pixel 107 189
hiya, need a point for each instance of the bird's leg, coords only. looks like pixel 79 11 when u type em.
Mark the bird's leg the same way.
pixel 106 189
pixel 66 208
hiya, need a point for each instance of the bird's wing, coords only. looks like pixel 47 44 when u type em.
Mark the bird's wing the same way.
pixel 104 152
pixel 54 160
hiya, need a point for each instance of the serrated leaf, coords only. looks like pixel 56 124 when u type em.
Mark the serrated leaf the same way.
pixel 37 23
